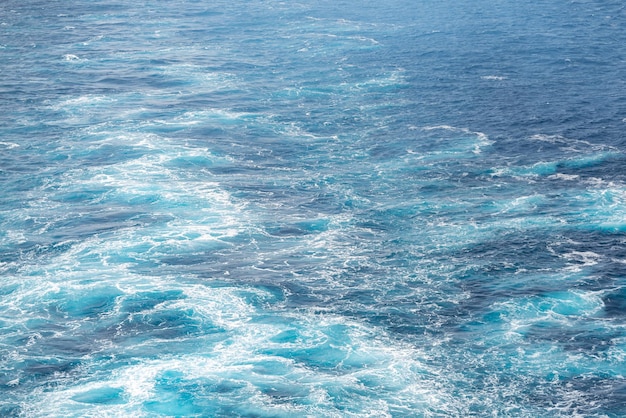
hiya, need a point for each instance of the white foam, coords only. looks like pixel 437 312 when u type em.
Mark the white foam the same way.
pixel 481 138
pixel 82 103
pixel 608 201
pixel 206 115
pixel 493 77
pixel 582 259
pixel 401 378
pixel 70 57
pixel 560 308
pixel 562 176
pixel 365 39
pixel 573 145
pixel 522 204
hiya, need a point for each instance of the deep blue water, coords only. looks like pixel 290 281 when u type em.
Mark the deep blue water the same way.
pixel 317 208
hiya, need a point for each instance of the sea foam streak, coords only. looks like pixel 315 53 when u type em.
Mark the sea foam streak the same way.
pixel 312 209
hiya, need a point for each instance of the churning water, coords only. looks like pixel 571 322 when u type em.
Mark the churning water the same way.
pixel 316 208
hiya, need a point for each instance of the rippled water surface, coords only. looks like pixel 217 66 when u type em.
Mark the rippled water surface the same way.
pixel 324 209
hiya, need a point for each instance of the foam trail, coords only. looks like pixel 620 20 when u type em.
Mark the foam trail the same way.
pixel 311 209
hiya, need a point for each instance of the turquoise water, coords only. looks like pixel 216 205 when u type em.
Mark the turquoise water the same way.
pixel 324 209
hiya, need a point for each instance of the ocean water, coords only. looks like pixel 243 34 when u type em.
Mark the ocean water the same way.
pixel 312 208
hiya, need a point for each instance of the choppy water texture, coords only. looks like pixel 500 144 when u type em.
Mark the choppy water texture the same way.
pixel 320 208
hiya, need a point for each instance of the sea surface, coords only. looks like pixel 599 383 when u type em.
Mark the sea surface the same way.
pixel 329 208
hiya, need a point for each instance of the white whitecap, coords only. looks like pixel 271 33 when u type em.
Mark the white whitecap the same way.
pixel 493 77
pixel 481 139
pixel 9 145
pixel 562 176
pixel 581 259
